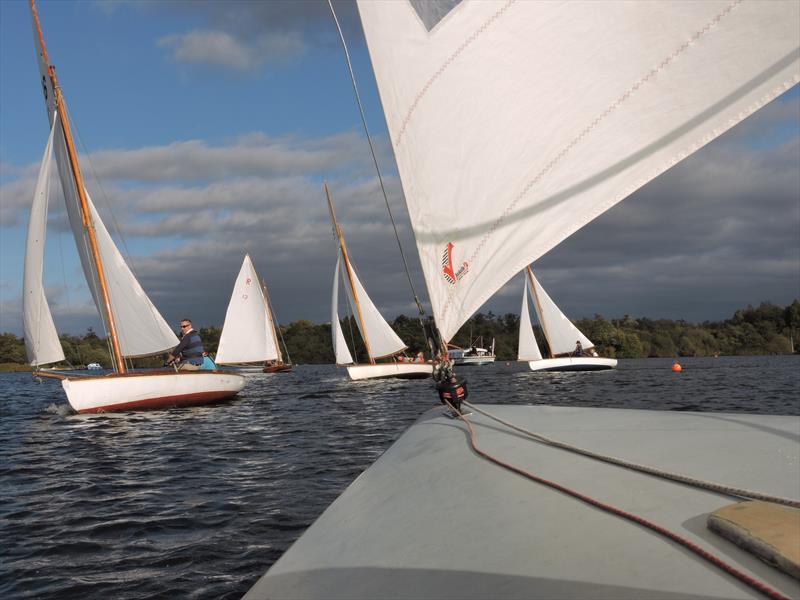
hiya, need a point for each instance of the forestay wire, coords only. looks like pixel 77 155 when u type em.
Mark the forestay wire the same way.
pixel 375 161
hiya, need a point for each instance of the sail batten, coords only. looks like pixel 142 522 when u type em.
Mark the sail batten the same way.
pixel 41 338
pixel 515 124
pixel 247 334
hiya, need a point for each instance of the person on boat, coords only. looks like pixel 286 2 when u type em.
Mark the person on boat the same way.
pixel 420 357
pixel 188 355
pixel 578 349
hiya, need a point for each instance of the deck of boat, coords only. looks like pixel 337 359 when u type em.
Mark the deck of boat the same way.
pixel 432 519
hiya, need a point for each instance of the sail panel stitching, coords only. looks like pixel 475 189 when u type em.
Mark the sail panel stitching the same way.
pixel 450 59
pixel 593 125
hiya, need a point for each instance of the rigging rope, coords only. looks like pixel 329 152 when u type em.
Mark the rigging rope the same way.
pixel 708 485
pixel 754 583
pixel 377 169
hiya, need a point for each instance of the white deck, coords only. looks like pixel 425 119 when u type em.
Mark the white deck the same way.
pixel 431 519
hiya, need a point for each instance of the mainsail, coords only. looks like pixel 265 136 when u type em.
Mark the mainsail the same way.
pixel 383 341
pixel 141 329
pixel 41 339
pixel 248 333
pixel 528 349
pixel 516 123
pixel 561 334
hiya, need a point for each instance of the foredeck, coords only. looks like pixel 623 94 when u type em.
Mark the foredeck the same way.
pixel 432 519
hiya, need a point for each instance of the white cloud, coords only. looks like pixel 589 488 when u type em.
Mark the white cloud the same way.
pixel 223 49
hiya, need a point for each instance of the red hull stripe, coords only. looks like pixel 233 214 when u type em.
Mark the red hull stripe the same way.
pixel 164 402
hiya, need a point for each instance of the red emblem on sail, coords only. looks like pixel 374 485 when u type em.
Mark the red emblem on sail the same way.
pixel 449 272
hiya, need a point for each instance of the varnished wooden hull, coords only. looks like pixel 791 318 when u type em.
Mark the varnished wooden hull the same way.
pixel 279 368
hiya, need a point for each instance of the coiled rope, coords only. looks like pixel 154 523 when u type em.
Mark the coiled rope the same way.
pixel 757 585
pixel 699 483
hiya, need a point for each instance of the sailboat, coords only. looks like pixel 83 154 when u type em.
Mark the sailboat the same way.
pixel 514 124
pixel 379 338
pixel 248 338
pixel 561 335
pixel 134 325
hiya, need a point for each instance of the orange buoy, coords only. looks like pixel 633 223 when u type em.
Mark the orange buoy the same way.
pixel 676 367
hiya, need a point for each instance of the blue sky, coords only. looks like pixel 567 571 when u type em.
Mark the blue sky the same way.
pixel 210 127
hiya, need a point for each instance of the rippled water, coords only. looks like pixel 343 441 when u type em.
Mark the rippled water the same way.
pixel 198 502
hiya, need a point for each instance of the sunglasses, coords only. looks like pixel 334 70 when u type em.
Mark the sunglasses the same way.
pixel 185 326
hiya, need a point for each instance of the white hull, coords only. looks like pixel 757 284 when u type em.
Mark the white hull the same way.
pixel 384 370
pixel 573 363
pixel 473 361
pixel 243 369
pixel 149 390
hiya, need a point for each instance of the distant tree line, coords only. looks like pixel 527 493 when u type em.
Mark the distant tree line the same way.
pixel 766 329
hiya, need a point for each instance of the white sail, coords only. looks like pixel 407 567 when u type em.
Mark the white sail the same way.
pixel 561 334
pixel 528 348
pixel 340 349
pixel 515 123
pixel 41 339
pixel 141 329
pixel 247 334
pixel 383 341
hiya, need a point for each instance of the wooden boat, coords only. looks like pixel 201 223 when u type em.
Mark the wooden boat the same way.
pixel 135 327
pixel 560 333
pixel 514 124
pixel 379 338
pixel 248 342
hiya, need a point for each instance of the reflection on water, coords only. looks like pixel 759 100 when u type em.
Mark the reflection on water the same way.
pixel 198 502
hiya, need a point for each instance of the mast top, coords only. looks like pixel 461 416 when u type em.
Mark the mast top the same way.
pixel 38 26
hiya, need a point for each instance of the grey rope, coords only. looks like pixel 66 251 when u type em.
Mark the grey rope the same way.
pixel 708 485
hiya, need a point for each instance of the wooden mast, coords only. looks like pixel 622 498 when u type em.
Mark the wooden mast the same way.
pixel 539 312
pixel 342 245
pixel 88 224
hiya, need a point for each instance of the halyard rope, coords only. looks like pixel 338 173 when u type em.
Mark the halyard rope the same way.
pixel 715 560
pixel 708 485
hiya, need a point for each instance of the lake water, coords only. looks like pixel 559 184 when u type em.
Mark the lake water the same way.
pixel 199 502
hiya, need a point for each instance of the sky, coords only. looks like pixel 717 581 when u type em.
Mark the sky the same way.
pixel 206 130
